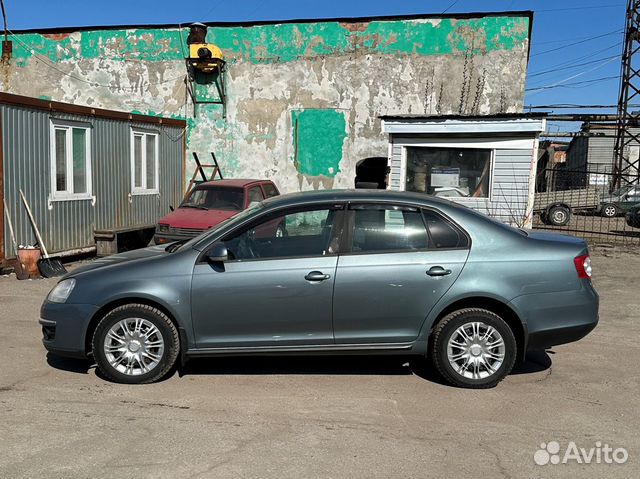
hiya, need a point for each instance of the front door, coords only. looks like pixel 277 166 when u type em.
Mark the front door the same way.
pixel 277 287
pixel 395 273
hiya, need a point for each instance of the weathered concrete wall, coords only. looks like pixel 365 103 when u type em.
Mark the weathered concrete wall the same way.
pixel 303 98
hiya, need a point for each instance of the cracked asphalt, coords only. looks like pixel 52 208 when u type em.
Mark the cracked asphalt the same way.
pixel 320 417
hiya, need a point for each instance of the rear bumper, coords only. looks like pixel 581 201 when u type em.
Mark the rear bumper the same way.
pixel 553 337
pixel 558 318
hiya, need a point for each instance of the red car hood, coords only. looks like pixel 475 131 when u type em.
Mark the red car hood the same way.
pixel 195 218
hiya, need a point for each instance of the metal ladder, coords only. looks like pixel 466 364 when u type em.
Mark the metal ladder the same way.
pixel 200 171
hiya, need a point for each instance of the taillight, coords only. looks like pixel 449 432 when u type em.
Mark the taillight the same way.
pixel 583 266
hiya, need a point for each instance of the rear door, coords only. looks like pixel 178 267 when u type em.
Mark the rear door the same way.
pixel 394 271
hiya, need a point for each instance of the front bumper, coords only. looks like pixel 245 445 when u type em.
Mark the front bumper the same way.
pixel 64 328
pixel 559 317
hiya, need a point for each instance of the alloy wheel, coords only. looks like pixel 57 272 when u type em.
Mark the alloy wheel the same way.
pixel 610 211
pixel 134 346
pixel 476 350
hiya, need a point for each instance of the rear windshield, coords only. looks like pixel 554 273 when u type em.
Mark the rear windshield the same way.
pixel 215 198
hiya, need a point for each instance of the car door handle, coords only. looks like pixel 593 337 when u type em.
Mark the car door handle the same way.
pixel 438 271
pixel 317 276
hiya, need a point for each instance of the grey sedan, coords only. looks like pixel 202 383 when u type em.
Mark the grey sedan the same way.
pixel 353 272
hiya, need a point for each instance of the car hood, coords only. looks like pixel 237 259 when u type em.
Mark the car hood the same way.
pixel 195 218
pixel 119 258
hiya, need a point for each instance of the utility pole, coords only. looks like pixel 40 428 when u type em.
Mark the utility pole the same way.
pixel 626 153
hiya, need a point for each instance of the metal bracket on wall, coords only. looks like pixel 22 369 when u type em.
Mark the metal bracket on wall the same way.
pixel 194 77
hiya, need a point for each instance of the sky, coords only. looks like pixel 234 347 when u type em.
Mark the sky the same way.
pixel 575 47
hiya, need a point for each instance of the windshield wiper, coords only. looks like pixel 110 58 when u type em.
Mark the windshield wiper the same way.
pixel 195 206
pixel 175 246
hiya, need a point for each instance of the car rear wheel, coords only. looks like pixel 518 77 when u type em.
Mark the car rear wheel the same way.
pixel 559 215
pixel 473 348
pixel 609 211
pixel 135 344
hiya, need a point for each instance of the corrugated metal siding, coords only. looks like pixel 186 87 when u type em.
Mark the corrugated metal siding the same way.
pixel 594 153
pixel 510 185
pixel 509 182
pixel 70 225
pixel 395 174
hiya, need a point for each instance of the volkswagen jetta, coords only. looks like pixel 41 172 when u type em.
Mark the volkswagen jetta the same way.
pixel 351 272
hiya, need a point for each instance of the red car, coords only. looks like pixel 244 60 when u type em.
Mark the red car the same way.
pixel 211 203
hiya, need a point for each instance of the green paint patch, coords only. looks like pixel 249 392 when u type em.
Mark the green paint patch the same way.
pixel 318 138
pixel 282 43
pixel 446 36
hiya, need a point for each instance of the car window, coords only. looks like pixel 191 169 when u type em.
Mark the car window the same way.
pixel 269 190
pixel 254 195
pixel 443 233
pixel 301 233
pixel 382 229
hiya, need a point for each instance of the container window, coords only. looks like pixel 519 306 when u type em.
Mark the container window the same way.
pixel 449 172
pixel 144 162
pixel 71 161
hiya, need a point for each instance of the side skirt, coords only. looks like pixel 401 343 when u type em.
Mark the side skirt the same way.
pixel 376 348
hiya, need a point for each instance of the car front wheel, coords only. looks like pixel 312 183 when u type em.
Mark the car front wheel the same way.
pixel 473 348
pixel 135 344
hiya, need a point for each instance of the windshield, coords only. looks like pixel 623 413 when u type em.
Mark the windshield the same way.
pixel 237 218
pixel 215 198
pixel 621 191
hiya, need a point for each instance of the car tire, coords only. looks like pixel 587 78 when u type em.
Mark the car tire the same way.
pixel 543 217
pixel 559 215
pixel 135 344
pixel 481 361
pixel 610 211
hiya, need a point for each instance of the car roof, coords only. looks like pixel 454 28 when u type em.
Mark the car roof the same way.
pixel 233 182
pixel 354 195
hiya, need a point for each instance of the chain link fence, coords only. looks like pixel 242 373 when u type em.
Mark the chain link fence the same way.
pixel 584 203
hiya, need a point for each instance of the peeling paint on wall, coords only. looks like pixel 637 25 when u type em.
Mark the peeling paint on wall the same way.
pixel 331 76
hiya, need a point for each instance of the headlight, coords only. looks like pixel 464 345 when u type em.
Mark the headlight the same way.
pixel 163 228
pixel 61 291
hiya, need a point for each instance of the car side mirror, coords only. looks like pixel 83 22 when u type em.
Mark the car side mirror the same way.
pixel 218 253
pixel 171 208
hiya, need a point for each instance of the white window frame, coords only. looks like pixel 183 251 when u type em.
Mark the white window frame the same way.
pixel 455 144
pixel 143 190
pixel 69 194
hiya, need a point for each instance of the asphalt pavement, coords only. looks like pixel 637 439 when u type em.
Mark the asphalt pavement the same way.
pixel 356 417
